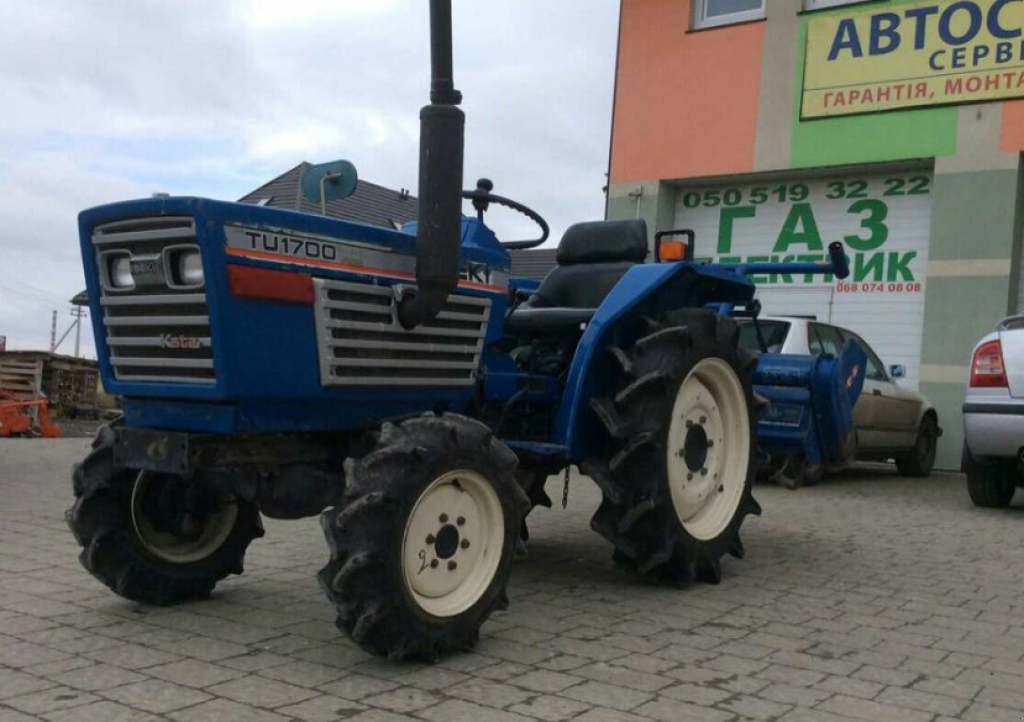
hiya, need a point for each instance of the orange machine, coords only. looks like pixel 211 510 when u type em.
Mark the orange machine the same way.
pixel 17 419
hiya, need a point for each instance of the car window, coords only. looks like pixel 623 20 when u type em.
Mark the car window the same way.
pixel 774 333
pixel 828 339
pixel 875 370
pixel 813 343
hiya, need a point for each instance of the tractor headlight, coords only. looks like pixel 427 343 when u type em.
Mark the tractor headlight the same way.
pixel 184 267
pixel 190 268
pixel 120 273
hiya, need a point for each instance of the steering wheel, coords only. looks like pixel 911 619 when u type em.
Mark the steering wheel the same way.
pixel 482 199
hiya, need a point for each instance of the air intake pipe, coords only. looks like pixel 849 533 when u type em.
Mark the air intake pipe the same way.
pixel 442 137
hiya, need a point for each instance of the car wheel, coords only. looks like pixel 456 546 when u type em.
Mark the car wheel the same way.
pixel 991 483
pixel 921 457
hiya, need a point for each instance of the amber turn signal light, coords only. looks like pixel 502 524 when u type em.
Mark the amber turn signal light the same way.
pixel 672 251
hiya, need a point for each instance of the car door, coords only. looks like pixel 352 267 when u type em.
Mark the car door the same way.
pixel 892 416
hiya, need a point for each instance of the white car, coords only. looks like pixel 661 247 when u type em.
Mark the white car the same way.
pixel 994 416
pixel 892 422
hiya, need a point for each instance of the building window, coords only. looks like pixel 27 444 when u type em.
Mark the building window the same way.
pixel 710 13
pixel 822 4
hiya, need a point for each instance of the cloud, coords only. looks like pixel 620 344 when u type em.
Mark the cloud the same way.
pixel 109 100
pixel 273 15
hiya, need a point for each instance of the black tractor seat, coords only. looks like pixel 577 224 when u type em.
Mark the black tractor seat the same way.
pixel 592 258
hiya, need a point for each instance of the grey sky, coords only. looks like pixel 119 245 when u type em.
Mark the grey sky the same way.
pixel 105 100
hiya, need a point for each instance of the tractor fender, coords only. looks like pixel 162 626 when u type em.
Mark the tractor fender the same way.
pixel 576 427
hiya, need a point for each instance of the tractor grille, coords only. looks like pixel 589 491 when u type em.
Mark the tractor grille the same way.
pixel 159 330
pixel 363 344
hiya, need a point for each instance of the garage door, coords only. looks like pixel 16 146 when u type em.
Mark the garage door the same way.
pixel 882 218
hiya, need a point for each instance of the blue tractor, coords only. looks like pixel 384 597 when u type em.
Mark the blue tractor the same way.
pixel 404 387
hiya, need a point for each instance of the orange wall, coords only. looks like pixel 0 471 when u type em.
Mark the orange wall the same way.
pixel 686 102
pixel 1013 126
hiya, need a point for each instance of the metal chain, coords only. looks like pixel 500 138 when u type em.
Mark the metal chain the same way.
pixel 565 488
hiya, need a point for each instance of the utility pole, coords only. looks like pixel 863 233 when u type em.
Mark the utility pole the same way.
pixel 53 332
pixel 78 313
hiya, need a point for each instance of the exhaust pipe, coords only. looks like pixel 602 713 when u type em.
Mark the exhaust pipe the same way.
pixel 442 138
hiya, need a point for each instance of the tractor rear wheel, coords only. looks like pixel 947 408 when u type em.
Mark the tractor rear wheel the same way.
pixel 677 480
pixel 156 538
pixel 423 544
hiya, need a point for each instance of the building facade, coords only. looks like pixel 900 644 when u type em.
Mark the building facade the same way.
pixel 773 127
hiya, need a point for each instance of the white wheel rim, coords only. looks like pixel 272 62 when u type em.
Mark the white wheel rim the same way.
pixel 170 547
pixel 453 543
pixel 708 448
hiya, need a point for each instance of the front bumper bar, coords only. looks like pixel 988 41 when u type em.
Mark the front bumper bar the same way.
pixel 167 452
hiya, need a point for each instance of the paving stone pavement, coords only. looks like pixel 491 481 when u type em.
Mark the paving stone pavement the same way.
pixel 869 597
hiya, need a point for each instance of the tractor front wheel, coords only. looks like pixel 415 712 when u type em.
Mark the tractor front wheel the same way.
pixel 423 545
pixel 676 482
pixel 156 538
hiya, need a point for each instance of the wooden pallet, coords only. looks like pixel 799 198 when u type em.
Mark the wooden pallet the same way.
pixel 69 385
pixel 21 377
